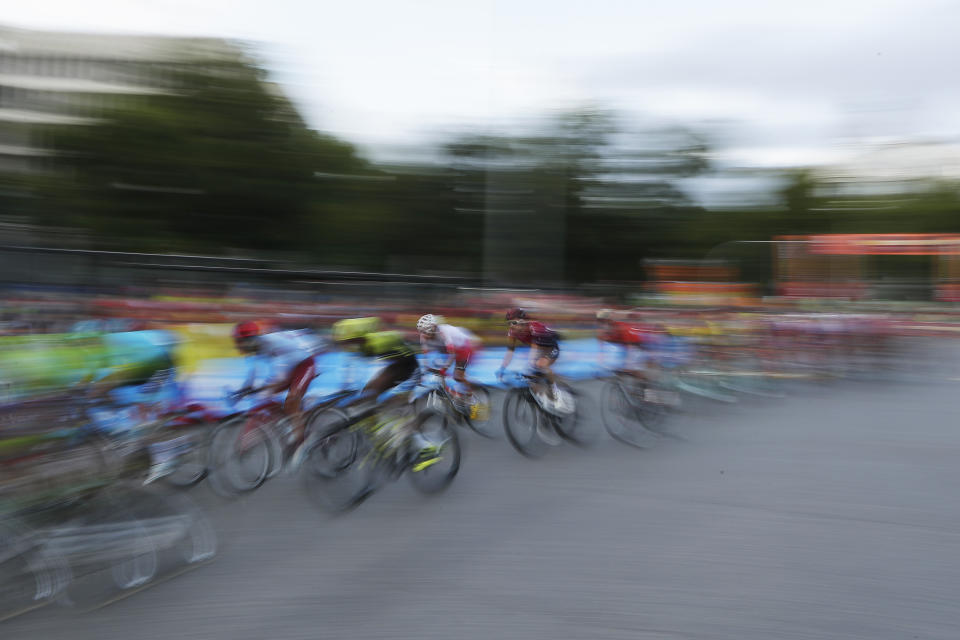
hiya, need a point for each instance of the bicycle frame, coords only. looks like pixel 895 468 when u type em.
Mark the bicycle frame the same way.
pixel 262 415
pixel 439 396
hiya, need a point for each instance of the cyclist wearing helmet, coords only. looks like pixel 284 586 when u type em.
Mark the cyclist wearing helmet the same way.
pixel 543 342
pixel 460 344
pixel 363 335
pixel 632 337
pixel 290 360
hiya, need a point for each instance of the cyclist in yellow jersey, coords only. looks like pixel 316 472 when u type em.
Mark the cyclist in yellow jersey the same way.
pixel 364 336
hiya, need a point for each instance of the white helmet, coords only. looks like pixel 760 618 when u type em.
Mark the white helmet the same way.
pixel 427 323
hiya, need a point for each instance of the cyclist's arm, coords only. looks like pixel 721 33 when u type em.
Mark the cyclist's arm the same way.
pixel 451 356
pixel 508 356
pixel 251 375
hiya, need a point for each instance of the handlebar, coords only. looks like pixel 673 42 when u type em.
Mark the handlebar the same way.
pixel 519 378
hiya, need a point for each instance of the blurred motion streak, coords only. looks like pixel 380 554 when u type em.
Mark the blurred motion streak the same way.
pixel 155 192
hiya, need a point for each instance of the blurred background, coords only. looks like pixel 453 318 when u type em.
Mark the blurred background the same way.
pixel 498 145
pixel 775 186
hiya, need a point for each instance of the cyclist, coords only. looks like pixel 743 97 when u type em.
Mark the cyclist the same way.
pixel 132 383
pixel 622 334
pixel 544 345
pixel 289 358
pixel 459 343
pixel 364 336
pixel 389 347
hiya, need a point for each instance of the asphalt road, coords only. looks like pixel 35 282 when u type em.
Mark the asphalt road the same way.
pixel 831 514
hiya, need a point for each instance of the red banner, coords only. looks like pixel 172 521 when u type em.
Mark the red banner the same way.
pixel 901 244
pixel 844 290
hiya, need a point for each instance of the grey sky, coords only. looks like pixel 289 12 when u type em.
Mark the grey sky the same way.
pixel 795 82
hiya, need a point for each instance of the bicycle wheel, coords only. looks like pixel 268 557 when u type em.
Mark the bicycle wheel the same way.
pixel 652 404
pixel 332 446
pixel 28 578
pixel 330 473
pixel 621 417
pixel 479 417
pixel 136 571
pixel 434 474
pixel 521 420
pixel 218 450
pixel 326 421
pixel 242 459
pixel 197 540
pixel 191 466
pixel 569 425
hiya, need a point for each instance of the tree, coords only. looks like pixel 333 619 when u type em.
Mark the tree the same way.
pixel 582 198
pixel 218 160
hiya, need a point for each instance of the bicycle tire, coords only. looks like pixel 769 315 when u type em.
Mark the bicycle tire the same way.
pixel 620 417
pixel 519 410
pixel 422 480
pixel 198 542
pixel 569 426
pixel 29 579
pixel 194 461
pixel 216 454
pixel 334 429
pixel 334 487
pixel 221 463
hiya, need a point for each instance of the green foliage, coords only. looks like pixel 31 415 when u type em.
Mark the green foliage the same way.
pixel 218 161
pixel 221 161
pixel 584 199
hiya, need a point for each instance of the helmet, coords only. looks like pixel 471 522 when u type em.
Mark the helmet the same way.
pixel 427 323
pixel 353 328
pixel 517 314
pixel 248 329
pixel 605 314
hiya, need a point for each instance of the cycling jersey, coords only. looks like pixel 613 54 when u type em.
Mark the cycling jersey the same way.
pixel 134 357
pixel 353 328
pixel 450 339
pixel 622 333
pixel 279 354
pixel 534 333
pixel 457 341
pixel 386 345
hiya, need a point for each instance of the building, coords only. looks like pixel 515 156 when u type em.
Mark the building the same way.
pixel 65 79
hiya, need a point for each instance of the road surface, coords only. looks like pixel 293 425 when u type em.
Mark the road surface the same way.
pixel 831 514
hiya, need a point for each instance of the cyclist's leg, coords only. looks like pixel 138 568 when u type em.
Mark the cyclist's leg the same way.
pixel 391 411
pixel 397 371
pixel 543 363
pixel 300 379
pixel 385 379
pixel 462 358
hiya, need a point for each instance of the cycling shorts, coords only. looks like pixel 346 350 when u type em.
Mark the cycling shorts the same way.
pixel 462 357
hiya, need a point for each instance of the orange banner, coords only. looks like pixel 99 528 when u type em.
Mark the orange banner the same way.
pixel 902 244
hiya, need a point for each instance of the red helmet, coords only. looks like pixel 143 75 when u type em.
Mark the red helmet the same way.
pixel 248 329
pixel 517 314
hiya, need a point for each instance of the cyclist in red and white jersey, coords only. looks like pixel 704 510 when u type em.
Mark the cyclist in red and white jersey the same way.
pixel 459 343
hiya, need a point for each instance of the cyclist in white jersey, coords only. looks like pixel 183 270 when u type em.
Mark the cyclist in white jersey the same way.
pixel 459 343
